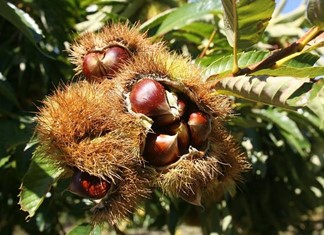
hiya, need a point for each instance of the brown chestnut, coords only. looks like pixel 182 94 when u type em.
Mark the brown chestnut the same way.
pixel 88 186
pixel 148 97
pixel 104 63
pixel 183 136
pixel 161 149
pixel 200 127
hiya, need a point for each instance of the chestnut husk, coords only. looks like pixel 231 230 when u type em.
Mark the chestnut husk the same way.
pixel 83 126
pixel 201 171
pixel 112 35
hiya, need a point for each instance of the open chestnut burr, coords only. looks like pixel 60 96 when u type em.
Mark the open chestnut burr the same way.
pixel 186 145
pixel 152 124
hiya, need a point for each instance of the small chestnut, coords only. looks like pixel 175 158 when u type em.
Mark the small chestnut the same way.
pixel 183 135
pixel 200 127
pixel 88 186
pixel 161 149
pixel 181 107
pixel 104 63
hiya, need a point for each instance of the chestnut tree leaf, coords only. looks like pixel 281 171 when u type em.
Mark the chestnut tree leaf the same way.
pixel 225 63
pixel 309 72
pixel 252 19
pixel 230 21
pixel 189 13
pixel 156 20
pixel 41 175
pixel 315 12
pixel 313 99
pixel 265 89
pixel 302 61
pixel 22 21
pixel 85 229
pixel 288 128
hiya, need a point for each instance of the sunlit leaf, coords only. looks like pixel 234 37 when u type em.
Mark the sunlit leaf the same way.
pixel 86 229
pixel 230 21
pixel 265 89
pixel 40 177
pixel 309 72
pixel 22 21
pixel 189 13
pixel 4 160
pixel 296 66
pixel 315 12
pixel 253 17
pixel 302 61
pixel 202 29
pixel 225 63
pixel 313 99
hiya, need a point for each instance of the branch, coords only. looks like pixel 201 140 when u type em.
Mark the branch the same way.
pixel 274 60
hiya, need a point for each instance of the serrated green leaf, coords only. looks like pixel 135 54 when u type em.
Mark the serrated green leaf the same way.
pixel 38 180
pixel 302 61
pixel 225 63
pixel 189 13
pixel 245 21
pixel 312 45
pixel 309 72
pixel 296 66
pixel 265 89
pixel 253 18
pixel 86 229
pixel 22 21
pixel 230 21
pixel 315 12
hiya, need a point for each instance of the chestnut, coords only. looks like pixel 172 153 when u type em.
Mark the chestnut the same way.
pixel 183 135
pixel 176 111
pixel 88 186
pixel 104 63
pixel 161 149
pixel 181 107
pixel 149 97
pixel 200 127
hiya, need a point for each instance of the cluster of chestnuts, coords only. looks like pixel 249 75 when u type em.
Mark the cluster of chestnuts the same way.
pixel 139 118
pixel 177 123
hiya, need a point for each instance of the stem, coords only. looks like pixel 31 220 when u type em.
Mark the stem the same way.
pixel 236 68
pixel 308 36
pixel 302 42
pixel 277 58
pixel 211 38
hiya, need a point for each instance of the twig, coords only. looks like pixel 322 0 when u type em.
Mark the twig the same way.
pixel 211 38
pixel 274 60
